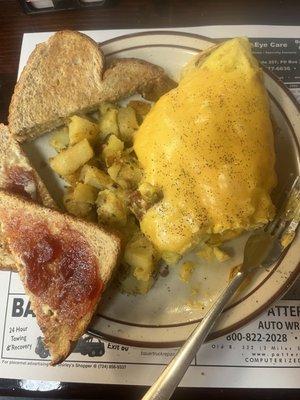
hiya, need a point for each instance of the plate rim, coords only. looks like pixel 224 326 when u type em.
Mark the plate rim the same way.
pixel 287 283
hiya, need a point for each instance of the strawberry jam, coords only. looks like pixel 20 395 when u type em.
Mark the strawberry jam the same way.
pixel 59 267
pixel 20 181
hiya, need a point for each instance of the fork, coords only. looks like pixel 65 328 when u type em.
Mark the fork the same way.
pixel 258 250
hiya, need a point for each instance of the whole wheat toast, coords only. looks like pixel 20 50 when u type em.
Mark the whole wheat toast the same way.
pixel 64 263
pixel 18 176
pixel 66 76
pixel 62 77
pixel 127 76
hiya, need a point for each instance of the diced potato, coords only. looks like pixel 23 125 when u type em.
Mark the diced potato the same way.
pixel 113 171
pixel 108 123
pixel 206 252
pixel 220 255
pixel 123 195
pixel 72 179
pixel 212 253
pixel 95 177
pixel 60 139
pixel 105 106
pixel 170 257
pixel 131 285
pixel 139 254
pixel 126 172
pixel 186 270
pixel 81 128
pixel 112 150
pixel 127 123
pixel 140 107
pixel 129 176
pixel 149 192
pixel 85 193
pixel 111 209
pixel 69 160
pixel 79 209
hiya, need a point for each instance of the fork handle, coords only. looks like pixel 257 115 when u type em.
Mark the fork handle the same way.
pixel 171 376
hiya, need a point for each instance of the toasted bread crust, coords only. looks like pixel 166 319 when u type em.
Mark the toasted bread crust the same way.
pixel 11 154
pixel 62 77
pixel 105 247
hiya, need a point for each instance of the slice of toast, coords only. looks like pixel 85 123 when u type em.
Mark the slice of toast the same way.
pixel 64 263
pixel 63 76
pixel 127 76
pixel 18 176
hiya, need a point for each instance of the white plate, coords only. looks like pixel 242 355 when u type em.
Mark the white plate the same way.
pixel 165 317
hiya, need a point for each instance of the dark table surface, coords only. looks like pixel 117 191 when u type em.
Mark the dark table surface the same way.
pixel 133 14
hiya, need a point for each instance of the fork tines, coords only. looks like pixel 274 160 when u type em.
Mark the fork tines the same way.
pixel 288 216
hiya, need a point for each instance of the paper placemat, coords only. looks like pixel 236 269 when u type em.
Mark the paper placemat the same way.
pixel 264 354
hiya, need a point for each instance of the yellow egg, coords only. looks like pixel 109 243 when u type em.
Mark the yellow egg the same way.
pixel 208 145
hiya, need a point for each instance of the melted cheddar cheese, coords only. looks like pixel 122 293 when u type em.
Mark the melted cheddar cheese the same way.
pixel 208 146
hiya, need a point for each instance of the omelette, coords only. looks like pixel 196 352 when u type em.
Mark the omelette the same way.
pixel 208 146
